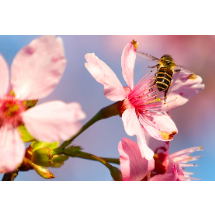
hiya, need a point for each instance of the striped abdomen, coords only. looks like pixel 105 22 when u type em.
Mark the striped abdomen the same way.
pixel 164 78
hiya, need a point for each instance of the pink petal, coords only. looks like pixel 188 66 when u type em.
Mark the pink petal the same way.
pixel 129 119
pixel 158 125
pixel 127 62
pixel 173 166
pixel 157 146
pixel 132 127
pixel 170 164
pixel 38 67
pixel 53 121
pixel 12 149
pixel 184 86
pixel 167 176
pixel 133 166
pixel 4 76
pixel 113 89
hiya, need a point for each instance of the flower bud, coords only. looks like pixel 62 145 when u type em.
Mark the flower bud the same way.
pixel 72 150
pixel 43 172
pixel 42 157
pixel 58 160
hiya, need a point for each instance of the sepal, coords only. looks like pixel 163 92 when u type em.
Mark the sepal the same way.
pixel 115 173
pixel 25 135
pixel 37 145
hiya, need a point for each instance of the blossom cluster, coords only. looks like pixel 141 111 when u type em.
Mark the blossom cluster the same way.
pixel 143 111
pixel 36 70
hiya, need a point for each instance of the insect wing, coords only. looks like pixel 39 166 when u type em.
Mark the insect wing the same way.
pixel 147 56
pixel 183 68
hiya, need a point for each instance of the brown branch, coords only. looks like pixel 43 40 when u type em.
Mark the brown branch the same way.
pixel 10 176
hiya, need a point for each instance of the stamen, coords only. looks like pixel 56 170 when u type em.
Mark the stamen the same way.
pixel 155 100
pixel 186 151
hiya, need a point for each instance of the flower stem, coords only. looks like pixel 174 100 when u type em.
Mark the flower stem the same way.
pixel 115 172
pixel 86 156
pixel 109 111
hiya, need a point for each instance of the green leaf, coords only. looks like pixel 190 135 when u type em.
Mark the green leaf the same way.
pixel 37 145
pixel 26 137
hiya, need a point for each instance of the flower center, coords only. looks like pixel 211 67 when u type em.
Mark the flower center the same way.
pixel 10 111
pixel 143 97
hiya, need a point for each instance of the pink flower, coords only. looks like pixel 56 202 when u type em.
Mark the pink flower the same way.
pixel 136 168
pixel 139 102
pixel 35 71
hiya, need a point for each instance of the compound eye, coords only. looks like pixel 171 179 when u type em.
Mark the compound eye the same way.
pixel 168 62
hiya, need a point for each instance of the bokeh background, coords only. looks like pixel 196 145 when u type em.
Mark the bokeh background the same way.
pixel 195 120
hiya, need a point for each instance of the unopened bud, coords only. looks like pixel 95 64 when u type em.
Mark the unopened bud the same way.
pixel 42 157
pixel 58 160
pixel 72 150
pixel 43 172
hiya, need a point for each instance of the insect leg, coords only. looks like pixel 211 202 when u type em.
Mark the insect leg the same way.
pixel 153 66
pixel 155 78
pixel 154 82
pixel 165 92
pixel 177 70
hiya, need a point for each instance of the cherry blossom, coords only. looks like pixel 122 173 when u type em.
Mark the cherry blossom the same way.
pixel 35 71
pixel 137 102
pixel 136 168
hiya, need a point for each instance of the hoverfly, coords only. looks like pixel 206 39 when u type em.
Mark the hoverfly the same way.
pixel 165 70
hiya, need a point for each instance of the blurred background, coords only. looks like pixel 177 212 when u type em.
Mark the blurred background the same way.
pixel 195 120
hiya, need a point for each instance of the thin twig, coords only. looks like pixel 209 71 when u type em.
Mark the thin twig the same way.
pixel 10 176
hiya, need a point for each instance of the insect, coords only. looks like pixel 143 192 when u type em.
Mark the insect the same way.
pixel 165 70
